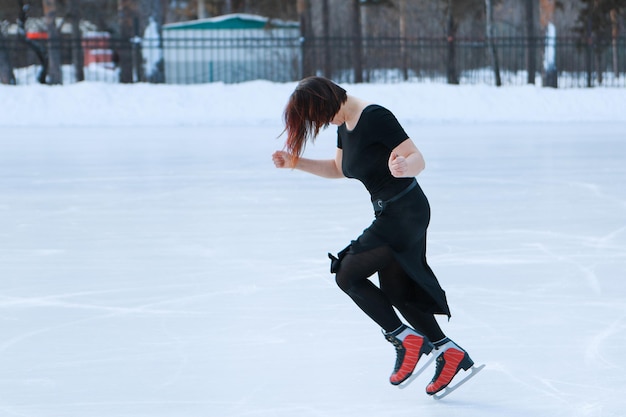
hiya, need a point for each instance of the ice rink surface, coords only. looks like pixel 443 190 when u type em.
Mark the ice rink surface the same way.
pixel 174 272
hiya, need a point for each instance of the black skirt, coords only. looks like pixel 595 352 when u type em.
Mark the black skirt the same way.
pixel 402 226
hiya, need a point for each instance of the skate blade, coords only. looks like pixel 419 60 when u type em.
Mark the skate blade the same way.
pixel 449 389
pixel 417 372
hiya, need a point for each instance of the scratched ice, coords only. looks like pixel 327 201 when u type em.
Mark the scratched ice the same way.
pixel 172 271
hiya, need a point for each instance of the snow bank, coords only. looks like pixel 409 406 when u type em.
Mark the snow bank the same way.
pixel 261 103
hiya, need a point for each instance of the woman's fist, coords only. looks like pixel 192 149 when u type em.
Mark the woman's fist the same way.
pixel 282 159
pixel 397 165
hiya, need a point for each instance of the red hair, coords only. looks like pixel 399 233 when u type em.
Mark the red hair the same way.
pixel 311 107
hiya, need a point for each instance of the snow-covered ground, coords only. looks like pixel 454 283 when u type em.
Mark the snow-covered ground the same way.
pixel 153 262
pixel 261 103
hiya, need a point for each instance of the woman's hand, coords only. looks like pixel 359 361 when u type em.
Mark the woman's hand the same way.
pixel 406 160
pixel 282 159
pixel 397 165
pixel 327 168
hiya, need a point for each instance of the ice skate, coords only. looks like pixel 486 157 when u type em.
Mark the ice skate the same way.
pixel 410 346
pixel 450 361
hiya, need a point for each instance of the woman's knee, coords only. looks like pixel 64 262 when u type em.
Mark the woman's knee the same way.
pixel 356 268
pixel 343 281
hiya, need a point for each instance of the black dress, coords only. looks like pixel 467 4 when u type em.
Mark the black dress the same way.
pixel 402 224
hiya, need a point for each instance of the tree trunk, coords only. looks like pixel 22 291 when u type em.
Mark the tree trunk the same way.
pixel 328 69
pixel 550 77
pixel 304 13
pixel 531 54
pixel 599 68
pixel 589 46
pixel 54 43
pixel 6 69
pixel 491 43
pixel 357 42
pixel 403 52
pixel 451 73
pixel 128 18
pixel 78 59
pixel 614 39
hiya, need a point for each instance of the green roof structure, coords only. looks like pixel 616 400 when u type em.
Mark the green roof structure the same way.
pixel 236 21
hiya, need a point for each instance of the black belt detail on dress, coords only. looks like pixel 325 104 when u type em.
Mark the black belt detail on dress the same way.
pixel 379 205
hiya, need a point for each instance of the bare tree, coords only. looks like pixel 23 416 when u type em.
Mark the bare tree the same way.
pixel 306 33
pixel 326 34
pixel 129 27
pixel 598 27
pixel 451 28
pixel 490 41
pixel 456 11
pixel 54 45
pixel 531 57
pixel 614 34
pixel 403 51
pixel 78 59
pixel 357 42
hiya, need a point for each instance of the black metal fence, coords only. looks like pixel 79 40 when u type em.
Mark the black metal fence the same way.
pixel 186 60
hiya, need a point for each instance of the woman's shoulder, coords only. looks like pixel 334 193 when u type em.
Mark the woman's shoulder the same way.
pixel 373 108
pixel 376 110
pixel 371 116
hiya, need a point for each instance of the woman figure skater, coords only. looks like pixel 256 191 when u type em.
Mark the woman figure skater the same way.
pixel 373 148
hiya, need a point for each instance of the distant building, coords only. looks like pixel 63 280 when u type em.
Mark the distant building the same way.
pixel 230 49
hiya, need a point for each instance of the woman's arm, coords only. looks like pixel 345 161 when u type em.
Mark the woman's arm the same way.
pixel 327 168
pixel 406 160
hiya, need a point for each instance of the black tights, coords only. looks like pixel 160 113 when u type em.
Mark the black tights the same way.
pixel 396 290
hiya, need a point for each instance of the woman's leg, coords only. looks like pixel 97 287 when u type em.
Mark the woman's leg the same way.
pixel 352 278
pixel 405 295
